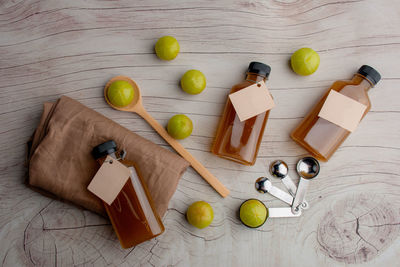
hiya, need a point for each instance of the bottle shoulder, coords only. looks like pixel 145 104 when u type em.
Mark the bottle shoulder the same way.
pixel 339 84
pixel 240 86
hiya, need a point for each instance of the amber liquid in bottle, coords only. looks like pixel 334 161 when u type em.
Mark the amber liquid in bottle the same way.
pixel 236 140
pixel 132 214
pixel 321 137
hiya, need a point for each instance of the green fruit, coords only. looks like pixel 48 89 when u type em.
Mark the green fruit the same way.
pixel 180 126
pixel 167 48
pixel 253 213
pixel 305 61
pixel 193 82
pixel 200 214
pixel 120 93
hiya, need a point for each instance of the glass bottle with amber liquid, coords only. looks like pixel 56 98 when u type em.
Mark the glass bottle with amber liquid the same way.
pixel 240 140
pixel 322 137
pixel 132 213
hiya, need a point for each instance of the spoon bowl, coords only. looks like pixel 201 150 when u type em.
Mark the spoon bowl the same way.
pixel 135 104
pixel 279 169
pixel 263 185
pixel 308 168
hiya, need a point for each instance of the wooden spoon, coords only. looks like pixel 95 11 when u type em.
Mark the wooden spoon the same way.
pixel 136 106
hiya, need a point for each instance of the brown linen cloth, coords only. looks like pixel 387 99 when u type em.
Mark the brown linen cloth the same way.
pixel 60 160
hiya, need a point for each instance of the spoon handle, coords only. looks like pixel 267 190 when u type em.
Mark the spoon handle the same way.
pixel 281 213
pixel 300 195
pixel 292 189
pixel 290 186
pixel 280 194
pixel 208 176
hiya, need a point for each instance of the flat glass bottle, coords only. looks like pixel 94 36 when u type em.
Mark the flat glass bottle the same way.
pixel 236 140
pixel 321 137
pixel 132 213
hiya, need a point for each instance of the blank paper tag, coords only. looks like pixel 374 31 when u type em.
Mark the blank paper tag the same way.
pixel 251 101
pixel 342 111
pixel 109 180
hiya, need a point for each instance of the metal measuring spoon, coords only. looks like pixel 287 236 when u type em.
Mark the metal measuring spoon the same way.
pixel 280 169
pixel 264 185
pixel 250 213
pixel 307 168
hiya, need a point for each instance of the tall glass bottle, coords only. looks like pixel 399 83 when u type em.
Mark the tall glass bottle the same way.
pixel 132 214
pixel 236 140
pixel 321 137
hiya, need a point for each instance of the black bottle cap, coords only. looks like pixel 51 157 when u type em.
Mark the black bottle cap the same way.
pixel 104 149
pixel 259 68
pixel 370 73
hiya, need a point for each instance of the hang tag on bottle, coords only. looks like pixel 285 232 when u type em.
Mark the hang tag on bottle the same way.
pixel 342 111
pixel 109 180
pixel 252 101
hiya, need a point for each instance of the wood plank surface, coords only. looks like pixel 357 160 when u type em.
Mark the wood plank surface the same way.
pixel 54 48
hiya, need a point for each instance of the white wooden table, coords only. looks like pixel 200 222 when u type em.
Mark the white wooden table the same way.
pixel 54 48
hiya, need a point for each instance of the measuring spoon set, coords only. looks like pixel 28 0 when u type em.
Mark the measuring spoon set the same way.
pixel 307 168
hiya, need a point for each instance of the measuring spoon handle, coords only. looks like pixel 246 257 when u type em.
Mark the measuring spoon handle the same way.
pixel 282 212
pixel 289 184
pixel 282 195
pixel 208 176
pixel 292 189
pixel 300 195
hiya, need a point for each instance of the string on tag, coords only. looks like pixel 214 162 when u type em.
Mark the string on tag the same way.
pixel 258 83
pixel 121 156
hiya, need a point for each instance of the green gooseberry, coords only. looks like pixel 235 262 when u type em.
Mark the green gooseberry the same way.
pixel 120 93
pixel 305 61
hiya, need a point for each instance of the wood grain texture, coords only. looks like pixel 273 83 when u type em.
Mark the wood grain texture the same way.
pixel 54 48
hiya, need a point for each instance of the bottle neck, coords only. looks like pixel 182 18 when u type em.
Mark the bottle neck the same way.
pixel 254 78
pixel 101 160
pixel 359 79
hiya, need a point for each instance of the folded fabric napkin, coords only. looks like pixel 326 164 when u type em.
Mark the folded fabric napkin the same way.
pixel 60 160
